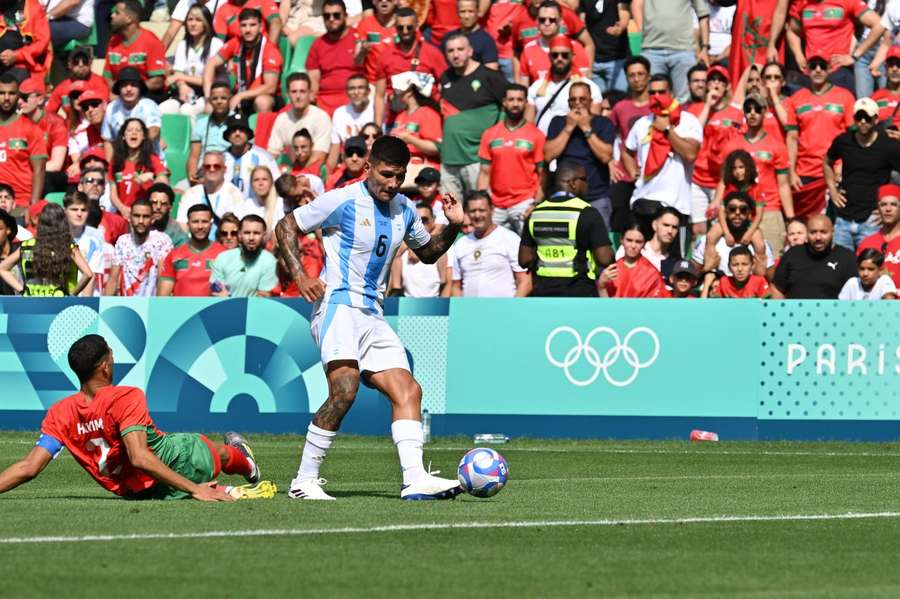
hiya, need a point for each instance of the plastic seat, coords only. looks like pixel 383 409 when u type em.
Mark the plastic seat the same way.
pixel 177 163
pixel 89 40
pixel 56 197
pixel 301 51
pixel 176 132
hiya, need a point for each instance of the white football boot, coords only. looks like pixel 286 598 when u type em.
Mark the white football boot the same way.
pixel 310 489
pixel 431 487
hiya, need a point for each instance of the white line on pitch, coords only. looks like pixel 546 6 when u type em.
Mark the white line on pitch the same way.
pixel 289 532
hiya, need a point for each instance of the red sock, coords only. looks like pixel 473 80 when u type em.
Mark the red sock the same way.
pixel 237 463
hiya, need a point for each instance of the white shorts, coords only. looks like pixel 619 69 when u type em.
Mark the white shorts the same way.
pixel 700 199
pixel 346 333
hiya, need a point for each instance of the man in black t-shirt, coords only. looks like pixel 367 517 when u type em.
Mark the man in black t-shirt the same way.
pixel 560 235
pixel 816 269
pixel 607 23
pixel 484 48
pixel 868 158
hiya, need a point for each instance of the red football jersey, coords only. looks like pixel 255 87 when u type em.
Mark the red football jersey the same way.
pixel 92 432
pixel 190 269
pixel 890 249
pixel 378 36
pixel 828 25
pixel 21 141
pixel 54 127
pixel 525 28
pixel 721 127
pixel 145 53
pixel 534 62
pixel 514 156
pixel 59 97
pixel 820 118
pixel 271 62
pixel 127 186
pixel 424 123
pixel 640 280
pixel 225 21
pixel 887 104
pixel 756 286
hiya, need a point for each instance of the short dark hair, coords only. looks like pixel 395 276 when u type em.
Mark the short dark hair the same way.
pixel 456 35
pixel 199 208
pixel 870 254
pixel 335 3
pixel 741 250
pixel 357 76
pixel 75 197
pixel 253 218
pixel 298 77
pixel 565 169
pixel 633 60
pixel 663 210
pixel 476 195
pixel 141 202
pixel 661 77
pixel 8 78
pixel 425 206
pixel 220 84
pixel 86 354
pixel 405 11
pixel 550 4
pixel 304 132
pixel 250 13
pixel 516 87
pixel 696 69
pixel 284 184
pixel 389 150
pixel 133 7
pixel 740 196
pixel 162 188
pixel 8 189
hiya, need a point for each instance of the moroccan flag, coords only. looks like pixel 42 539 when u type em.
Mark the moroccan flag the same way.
pixel 660 147
pixel 750 35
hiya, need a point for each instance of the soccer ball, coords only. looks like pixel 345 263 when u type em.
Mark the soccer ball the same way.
pixel 482 472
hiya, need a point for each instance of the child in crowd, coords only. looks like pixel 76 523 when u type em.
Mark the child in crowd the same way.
pixel 872 282
pixel 683 279
pixel 742 283
pixel 738 174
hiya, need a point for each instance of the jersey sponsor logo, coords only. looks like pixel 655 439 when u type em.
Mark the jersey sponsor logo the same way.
pixel 528 33
pixel 621 348
pixel 180 264
pixel 412 127
pixel 92 426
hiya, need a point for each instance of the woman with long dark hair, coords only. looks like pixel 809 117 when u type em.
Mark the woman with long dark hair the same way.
pixel 50 262
pixel 135 167
pixel 632 275
pixel 191 55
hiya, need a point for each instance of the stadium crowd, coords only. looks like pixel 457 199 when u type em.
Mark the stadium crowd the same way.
pixel 651 148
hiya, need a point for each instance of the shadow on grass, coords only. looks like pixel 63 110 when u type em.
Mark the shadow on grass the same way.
pixel 364 494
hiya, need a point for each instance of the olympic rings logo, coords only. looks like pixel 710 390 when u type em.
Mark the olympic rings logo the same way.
pixel 621 348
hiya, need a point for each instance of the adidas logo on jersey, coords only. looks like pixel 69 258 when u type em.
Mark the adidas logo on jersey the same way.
pixel 365 223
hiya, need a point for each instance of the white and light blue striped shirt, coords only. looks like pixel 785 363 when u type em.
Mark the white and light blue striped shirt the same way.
pixel 361 237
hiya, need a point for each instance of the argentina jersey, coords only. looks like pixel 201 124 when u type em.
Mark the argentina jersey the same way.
pixel 361 236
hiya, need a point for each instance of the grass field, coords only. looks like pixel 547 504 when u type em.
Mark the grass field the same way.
pixel 612 519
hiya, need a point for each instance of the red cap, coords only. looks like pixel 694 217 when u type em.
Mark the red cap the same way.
pixel 92 93
pixel 77 87
pixel 33 85
pixel 894 52
pixel 561 41
pixel 719 70
pixel 889 191
pixel 818 55
pixel 34 211
pixel 94 152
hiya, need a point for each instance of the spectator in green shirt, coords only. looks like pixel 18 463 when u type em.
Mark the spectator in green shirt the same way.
pixel 249 269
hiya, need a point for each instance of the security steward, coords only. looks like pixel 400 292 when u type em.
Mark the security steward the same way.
pixel 564 239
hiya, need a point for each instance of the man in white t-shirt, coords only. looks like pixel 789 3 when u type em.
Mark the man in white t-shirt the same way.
pixel 738 222
pixel 303 115
pixel 214 191
pixel 348 120
pixel 555 87
pixel 485 262
pixel 660 156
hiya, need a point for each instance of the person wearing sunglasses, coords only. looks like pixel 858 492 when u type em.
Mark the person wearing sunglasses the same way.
pixel 889 95
pixel 79 77
pixel 867 157
pixel 815 116
pixel 537 56
pixel 214 190
pixel 739 208
pixel 525 26
pixel 887 239
pixel 333 58
pixel 93 185
pixel 352 168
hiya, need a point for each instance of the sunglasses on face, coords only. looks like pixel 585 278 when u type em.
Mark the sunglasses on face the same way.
pixel 560 54
pixel 737 209
pixel 818 64
pixel 90 104
pixel 544 20
pixel 92 181
pixel 228 233
pixel 335 16
pixel 425 220
pixel 893 64
pixel 862 116
pixel 356 152
pixel 579 100
pixel 213 167
pixel 751 108
pixel 406 27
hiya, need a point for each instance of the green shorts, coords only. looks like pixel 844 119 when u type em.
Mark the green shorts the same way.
pixel 189 455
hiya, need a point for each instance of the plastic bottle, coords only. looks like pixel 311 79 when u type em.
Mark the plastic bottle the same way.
pixel 698 435
pixel 426 426
pixel 491 438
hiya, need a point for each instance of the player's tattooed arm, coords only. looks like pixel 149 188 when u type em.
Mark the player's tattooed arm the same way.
pixel 439 244
pixel 288 232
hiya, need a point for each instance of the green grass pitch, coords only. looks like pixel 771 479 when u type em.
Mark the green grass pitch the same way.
pixel 657 519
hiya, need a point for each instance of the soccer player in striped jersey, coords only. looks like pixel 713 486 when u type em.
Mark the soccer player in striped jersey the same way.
pixel 362 227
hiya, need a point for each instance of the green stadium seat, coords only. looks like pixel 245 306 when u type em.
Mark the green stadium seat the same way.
pixel 176 132
pixel 301 51
pixel 177 163
pixel 252 121
pixel 89 40
pixel 56 197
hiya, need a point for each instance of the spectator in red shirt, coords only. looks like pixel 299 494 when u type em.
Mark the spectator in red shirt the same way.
pixel 135 167
pixel 524 27
pixel 187 268
pixel 399 58
pixel 256 80
pixel 133 46
pixel 78 66
pixel 825 29
pixel 512 162
pixel 741 283
pixel 93 184
pixel 22 162
pixel 32 96
pixel 303 163
pixel 632 275
pixel 442 19
pixel 226 20
pixel 376 31
pixel 888 97
pixel 534 61
pixel 887 240
pixel 419 125
pixel 815 117
pixel 26 48
pixel 333 58
pixel 352 168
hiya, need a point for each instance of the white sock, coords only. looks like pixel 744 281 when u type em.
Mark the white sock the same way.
pixel 408 437
pixel 318 440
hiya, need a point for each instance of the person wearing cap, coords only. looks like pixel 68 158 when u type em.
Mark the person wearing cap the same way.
pixel 887 239
pixel 242 156
pixel 80 78
pixel 772 165
pixel 683 279
pixel 536 59
pixel 87 136
pixel 215 191
pixel 302 115
pixel 721 121
pixel 564 239
pixel 471 96
pixel 352 169
pixel 512 162
pixel 24 148
pixel 524 27
pixel 256 81
pixel 815 116
pixel 131 103
pixel 741 283
pixel 32 97
pixel 548 95
pixel 93 185
pixel 825 30
pixel 888 97
pixel 867 157
pixel 133 47
pixel 668 39
pixel 348 120
pixel 428 188
pixel 333 58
